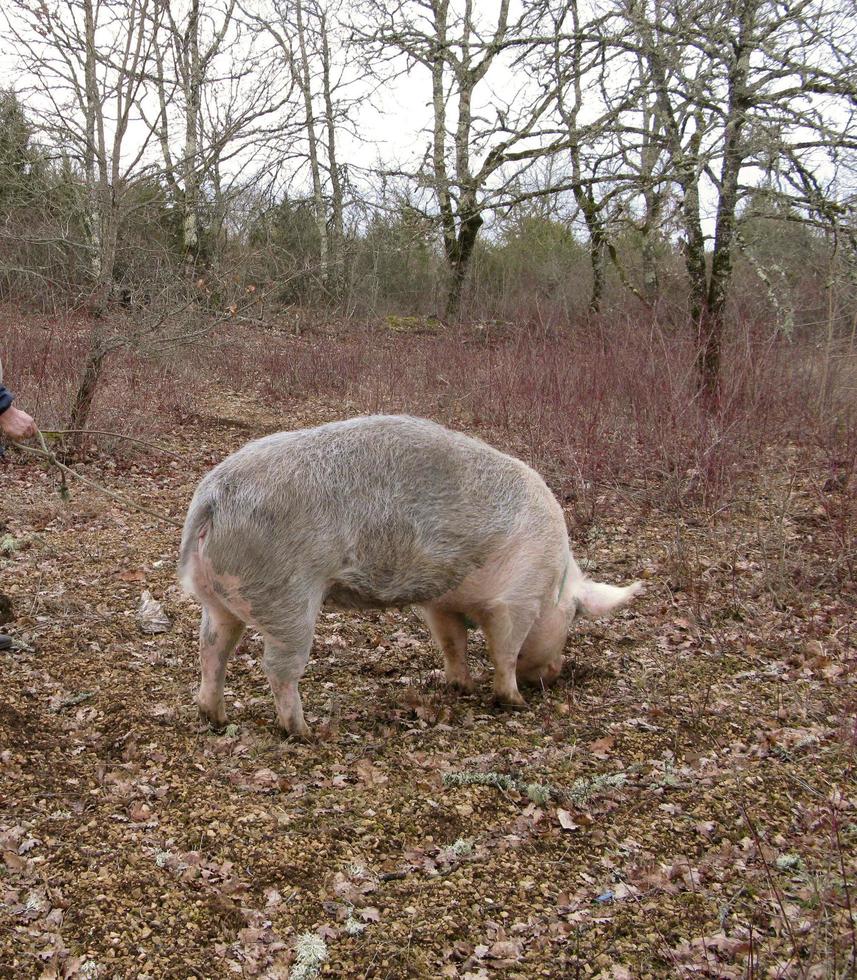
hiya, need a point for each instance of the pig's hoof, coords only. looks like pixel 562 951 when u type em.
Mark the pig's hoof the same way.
pixel 300 733
pixel 464 685
pixel 509 701
pixel 215 719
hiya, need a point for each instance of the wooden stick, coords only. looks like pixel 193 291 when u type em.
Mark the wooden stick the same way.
pixel 117 435
pixel 120 498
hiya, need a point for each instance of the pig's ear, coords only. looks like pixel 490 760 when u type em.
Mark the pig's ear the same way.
pixel 596 599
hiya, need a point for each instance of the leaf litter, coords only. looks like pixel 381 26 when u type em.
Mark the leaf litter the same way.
pixel 681 803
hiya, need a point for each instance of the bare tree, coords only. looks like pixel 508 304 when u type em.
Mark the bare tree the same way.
pixel 224 94
pixel 103 96
pixel 315 50
pixel 88 62
pixel 481 143
pixel 739 89
pixel 187 43
pixel 652 160
pixel 335 109
pixel 303 74
pixel 595 95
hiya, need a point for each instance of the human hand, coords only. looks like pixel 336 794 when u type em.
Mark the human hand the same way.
pixel 17 424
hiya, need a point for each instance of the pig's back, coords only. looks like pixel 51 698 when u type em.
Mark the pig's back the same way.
pixel 387 510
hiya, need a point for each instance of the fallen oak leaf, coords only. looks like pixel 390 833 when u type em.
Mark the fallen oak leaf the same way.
pixel 272 898
pixel 505 949
pixel 264 780
pixel 370 774
pixel 624 890
pixel 14 862
pixel 566 821
pixel 601 747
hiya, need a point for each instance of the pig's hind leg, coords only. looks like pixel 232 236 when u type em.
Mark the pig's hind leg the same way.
pixel 284 664
pixel 450 634
pixel 287 650
pixel 219 633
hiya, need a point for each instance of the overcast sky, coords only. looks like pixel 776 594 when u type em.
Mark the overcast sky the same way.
pixel 388 123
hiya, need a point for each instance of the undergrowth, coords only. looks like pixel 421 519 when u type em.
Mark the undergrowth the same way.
pixel 601 409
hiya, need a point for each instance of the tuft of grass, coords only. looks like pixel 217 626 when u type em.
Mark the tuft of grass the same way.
pixel 539 792
pixel 354 869
pixel 468 778
pixel 583 789
pixel 789 862
pixel 9 544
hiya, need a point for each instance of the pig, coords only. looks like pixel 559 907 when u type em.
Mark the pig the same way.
pixel 374 512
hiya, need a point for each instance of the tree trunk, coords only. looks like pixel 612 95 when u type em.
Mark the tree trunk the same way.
pixel 687 163
pixel 107 242
pixel 441 177
pixel 596 257
pixel 597 242
pixel 309 122
pixel 190 198
pixel 650 149
pixel 460 262
pixel 709 341
pixel 87 388
pixel 94 168
pixel 708 328
pixel 651 284
pixel 337 237
pixel 710 337
pixel 708 324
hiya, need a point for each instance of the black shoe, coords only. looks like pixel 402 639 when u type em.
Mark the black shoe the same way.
pixel 5 642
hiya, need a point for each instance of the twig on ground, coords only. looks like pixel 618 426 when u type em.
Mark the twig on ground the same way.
pixel 116 435
pixel 120 498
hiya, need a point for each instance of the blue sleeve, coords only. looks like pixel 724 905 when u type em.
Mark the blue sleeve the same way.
pixel 6 398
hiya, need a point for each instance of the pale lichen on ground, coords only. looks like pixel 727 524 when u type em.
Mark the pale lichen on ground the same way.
pixel 310 954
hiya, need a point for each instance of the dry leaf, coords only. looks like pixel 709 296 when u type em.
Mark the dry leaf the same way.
pixel 566 821
pixel 370 774
pixel 601 747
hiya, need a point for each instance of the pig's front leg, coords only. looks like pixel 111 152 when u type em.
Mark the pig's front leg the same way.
pixel 219 633
pixel 506 628
pixel 450 634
